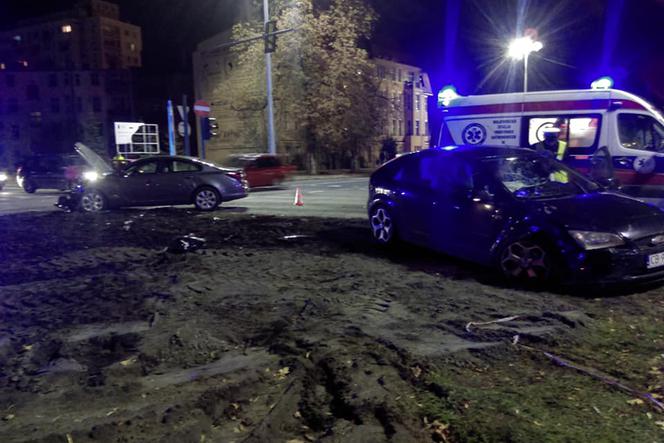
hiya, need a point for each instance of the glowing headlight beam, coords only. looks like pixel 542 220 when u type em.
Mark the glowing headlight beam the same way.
pixel 91 176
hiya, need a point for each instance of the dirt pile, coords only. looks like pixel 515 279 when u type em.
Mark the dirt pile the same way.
pixel 271 330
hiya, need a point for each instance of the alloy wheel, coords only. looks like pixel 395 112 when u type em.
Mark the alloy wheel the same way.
pixel 92 201
pixel 527 261
pixel 207 199
pixel 382 226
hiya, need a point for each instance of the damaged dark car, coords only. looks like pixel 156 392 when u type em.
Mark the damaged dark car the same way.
pixel 531 217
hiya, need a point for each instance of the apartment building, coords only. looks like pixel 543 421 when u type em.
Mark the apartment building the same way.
pixel 66 77
pixel 408 89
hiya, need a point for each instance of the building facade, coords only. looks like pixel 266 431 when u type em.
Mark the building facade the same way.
pixel 407 89
pixel 219 75
pixel 64 78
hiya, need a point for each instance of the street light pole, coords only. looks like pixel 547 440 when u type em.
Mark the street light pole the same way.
pixel 525 72
pixel 271 133
pixel 521 48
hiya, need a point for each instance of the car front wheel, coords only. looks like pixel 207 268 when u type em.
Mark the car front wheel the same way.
pixel 527 262
pixel 207 199
pixel 382 225
pixel 93 201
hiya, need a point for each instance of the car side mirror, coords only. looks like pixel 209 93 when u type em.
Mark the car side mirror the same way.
pixel 608 184
pixel 482 195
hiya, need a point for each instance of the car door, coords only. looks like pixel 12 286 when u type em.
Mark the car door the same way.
pixel 467 214
pixel 42 173
pixel 181 181
pixel 141 184
pixel 414 199
pixel 264 171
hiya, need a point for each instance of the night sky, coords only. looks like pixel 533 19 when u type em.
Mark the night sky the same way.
pixel 456 41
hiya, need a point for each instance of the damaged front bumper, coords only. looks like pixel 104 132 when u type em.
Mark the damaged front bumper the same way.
pixel 627 264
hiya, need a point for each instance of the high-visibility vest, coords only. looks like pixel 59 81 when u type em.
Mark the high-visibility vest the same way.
pixel 561 176
pixel 562 149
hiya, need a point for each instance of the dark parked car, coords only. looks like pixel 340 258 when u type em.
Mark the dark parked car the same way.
pixel 531 217
pixel 3 179
pixel 261 169
pixel 50 172
pixel 159 180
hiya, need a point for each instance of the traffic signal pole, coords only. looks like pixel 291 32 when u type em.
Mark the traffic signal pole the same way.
pixel 271 133
pixel 269 36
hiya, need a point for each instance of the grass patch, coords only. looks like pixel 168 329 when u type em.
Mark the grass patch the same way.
pixel 515 395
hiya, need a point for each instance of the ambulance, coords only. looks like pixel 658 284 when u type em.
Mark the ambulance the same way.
pixel 611 135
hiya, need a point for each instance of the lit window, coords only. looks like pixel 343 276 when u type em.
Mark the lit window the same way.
pixel 17 38
pixel 23 63
pixel 2 66
pixel 66 29
pixel 132 47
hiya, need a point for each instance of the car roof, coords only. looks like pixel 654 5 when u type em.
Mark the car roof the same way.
pixel 170 157
pixel 470 152
pixel 252 156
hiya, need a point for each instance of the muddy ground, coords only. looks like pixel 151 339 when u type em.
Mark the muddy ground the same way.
pixel 260 336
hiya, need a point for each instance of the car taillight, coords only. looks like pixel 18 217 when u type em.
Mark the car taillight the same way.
pixel 237 175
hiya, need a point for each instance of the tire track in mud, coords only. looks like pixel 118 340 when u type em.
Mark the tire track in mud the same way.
pixel 335 337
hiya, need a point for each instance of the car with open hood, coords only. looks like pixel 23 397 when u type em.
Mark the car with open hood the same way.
pixel 532 217
pixel 159 180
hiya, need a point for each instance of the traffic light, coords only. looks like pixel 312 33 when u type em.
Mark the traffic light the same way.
pixel 213 127
pixel 270 36
pixel 210 127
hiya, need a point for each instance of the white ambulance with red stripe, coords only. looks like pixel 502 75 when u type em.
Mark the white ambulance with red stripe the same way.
pixel 609 133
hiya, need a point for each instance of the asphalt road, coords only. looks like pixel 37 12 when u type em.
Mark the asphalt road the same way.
pixel 328 196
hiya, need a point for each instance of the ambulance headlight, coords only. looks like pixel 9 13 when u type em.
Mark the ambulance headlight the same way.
pixel 90 176
pixel 3 177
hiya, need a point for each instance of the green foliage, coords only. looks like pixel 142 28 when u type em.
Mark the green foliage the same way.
pixel 324 81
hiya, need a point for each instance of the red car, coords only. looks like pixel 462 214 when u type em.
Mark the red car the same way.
pixel 261 169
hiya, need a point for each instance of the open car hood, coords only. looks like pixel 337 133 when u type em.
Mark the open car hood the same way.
pixel 94 160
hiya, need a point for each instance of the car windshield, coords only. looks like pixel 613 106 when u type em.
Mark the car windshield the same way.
pixel 539 177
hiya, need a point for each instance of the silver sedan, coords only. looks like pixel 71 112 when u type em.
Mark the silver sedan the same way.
pixel 159 180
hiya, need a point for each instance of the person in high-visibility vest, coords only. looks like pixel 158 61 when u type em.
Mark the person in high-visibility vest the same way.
pixel 119 162
pixel 552 147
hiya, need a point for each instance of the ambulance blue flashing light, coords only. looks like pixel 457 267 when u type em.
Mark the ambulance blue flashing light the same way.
pixel 602 83
pixel 446 95
pixel 449 148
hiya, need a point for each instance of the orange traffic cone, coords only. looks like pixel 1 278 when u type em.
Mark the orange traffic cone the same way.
pixel 298 198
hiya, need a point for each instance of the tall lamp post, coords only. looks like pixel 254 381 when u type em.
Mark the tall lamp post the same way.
pixel 520 49
pixel 271 133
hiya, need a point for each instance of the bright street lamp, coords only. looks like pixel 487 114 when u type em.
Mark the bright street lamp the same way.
pixel 520 49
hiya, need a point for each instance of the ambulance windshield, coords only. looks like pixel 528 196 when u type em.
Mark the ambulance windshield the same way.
pixel 642 132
